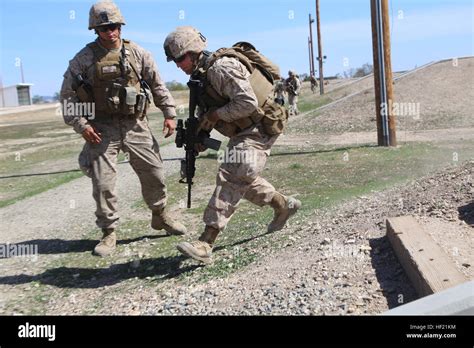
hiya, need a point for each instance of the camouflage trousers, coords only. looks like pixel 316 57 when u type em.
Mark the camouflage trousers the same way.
pixel 239 176
pixel 293 102
pixel 133 137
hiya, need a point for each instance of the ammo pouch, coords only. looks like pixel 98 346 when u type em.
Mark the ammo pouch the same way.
pixel 275 117
pixel 142 102
pixel 129 99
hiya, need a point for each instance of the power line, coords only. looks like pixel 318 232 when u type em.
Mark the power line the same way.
pixel 67 171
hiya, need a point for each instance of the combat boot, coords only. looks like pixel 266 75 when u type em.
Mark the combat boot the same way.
pixel 284 207
pixel 107 244
pixel 201 249
pixel 162 221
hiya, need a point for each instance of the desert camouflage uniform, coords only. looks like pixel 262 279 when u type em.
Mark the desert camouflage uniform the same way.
pixel 280 92
pixel 238 180
pixel 293 83
pixel 314 83
pixel 120 132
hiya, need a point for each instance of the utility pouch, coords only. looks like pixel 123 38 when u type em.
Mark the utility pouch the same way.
pixel 140 106
pixel 275 119
pixel 130 99
pixel 113 99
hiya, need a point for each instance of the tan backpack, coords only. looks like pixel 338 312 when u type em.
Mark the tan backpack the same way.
pixel 264 73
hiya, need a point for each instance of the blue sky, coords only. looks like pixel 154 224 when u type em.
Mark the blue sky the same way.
pixel 46 34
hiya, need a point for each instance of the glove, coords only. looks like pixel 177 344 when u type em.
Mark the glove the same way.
pixel 208 120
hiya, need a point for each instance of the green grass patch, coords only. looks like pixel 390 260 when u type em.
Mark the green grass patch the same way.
pixel 16 189
pixel 308 104
pixel 33 130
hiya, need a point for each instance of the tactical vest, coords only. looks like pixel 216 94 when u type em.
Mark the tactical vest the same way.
pixel 116 88
pixel 271 114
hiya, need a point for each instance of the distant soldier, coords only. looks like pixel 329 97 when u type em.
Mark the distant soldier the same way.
pixel 293 86
pixel 119 78
pixel 243 109
pixel 279 92
pixel 314 83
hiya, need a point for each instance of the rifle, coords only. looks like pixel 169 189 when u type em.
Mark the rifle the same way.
pixel 84 89
pixel 291 90
pixel 188 136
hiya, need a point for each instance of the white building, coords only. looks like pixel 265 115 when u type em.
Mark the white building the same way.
pixel 16 95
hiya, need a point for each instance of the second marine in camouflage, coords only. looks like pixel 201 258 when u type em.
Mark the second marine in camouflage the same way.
pixel 239 103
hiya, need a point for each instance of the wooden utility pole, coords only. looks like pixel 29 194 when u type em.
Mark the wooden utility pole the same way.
pixel 320 50
pixel 383 82
pixel 311 47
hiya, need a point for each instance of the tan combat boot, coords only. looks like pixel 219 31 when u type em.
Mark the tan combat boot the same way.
pixel 201 249
pixel 107 244
pixel 284 208
pixel 162 221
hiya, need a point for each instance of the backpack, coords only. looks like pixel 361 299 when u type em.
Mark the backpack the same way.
pixel 263 74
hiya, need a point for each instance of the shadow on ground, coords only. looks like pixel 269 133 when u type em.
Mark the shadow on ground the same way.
pixel 83 278
pixel 466 213
pixel 393 281
pixel 61 246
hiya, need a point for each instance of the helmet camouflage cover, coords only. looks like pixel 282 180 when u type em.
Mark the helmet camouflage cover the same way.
pixel 104 13
pixel 183 40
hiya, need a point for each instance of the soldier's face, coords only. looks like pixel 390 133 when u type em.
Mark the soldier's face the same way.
pixel 110 34
pixel 186 64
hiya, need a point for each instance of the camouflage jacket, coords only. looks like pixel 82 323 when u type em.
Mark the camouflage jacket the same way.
pixel 230 78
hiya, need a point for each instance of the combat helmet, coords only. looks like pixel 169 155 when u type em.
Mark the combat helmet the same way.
pixel 183 40
pixel 291 73
pixel 104 13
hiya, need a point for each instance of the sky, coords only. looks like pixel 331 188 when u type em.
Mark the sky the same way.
pixel 45 34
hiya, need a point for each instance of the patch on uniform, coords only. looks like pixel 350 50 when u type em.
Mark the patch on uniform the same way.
pixel 109 69
pixel 104 17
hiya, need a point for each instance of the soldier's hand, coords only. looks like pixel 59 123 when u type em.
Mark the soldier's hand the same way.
pixel 169 125
pixel 91 136
pixel 208 121
pixel 199 147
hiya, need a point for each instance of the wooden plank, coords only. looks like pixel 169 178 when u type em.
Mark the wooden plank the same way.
pixel 428 267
